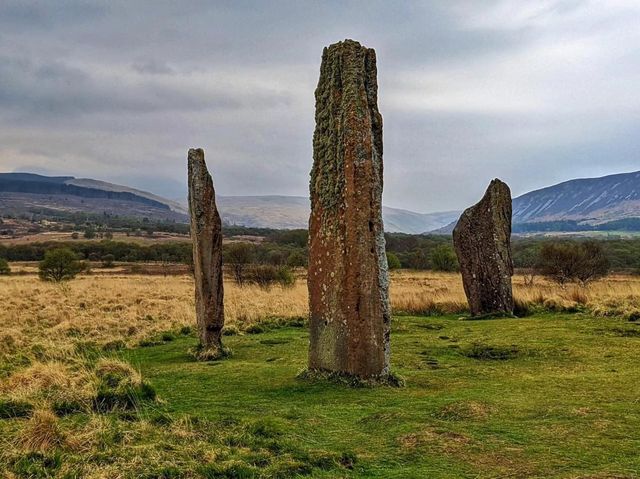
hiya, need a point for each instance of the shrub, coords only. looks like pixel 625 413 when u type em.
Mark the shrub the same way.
pixel 107 260
pixel 266 276
pixel 239 255
pixel 4 267
pixel 263 275
pixel 393 261
pixel 59 265
pixel 521 308
pixel 566 262
pixel 443 258
pixel 297 258
pixel 285 277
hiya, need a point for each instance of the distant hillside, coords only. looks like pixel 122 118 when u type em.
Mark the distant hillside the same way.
pixel 24 193
pixel 27 193
pixel 590 201
pixel 607 203
pixel 291 212
pixel 592 204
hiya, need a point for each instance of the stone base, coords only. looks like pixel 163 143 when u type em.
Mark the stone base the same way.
pixel 480 317
pixel 201 353
pixel 319 375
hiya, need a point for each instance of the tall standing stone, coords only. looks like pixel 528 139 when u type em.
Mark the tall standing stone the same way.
pixel 206 235
pixel 482 239
pixel 348 278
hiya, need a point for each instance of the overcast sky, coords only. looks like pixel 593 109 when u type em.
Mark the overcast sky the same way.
pixel 533 92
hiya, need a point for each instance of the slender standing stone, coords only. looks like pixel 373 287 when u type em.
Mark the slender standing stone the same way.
pixel 348 278
pixel 206 234
pixel 482 239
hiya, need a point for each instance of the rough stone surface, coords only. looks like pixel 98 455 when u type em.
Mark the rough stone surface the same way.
pixel 482 239
pixel 348 277
pixel 206 234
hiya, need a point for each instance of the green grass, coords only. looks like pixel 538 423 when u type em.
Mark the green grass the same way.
pixel 545 396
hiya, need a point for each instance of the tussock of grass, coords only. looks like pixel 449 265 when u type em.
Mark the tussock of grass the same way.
pixel 119 386
pixel 230 330
pixel 50 385
pixel 42 432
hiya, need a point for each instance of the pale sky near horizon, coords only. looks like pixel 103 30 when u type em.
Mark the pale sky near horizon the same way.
pixel 531 92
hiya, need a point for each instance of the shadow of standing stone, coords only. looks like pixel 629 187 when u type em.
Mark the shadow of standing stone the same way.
pixel 347 277
pixel 482 240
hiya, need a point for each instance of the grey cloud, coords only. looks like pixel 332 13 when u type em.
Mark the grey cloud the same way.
pixel 153 67
pixel 533 92
pixel 58 90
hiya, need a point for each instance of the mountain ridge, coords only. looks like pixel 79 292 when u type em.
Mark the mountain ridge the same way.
pixel 578 204
pixel 24 192
pixel 584 203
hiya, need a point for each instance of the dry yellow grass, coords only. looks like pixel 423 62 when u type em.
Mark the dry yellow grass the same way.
pixel 49 320
pixel 46 331
pixel 425 292
pixel 42 432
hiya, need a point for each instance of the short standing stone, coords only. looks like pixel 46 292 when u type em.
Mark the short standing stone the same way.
pixel 482 239
pixel 206 234
pixel 348 277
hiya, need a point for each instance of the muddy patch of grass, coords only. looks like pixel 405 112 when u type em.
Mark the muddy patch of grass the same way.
pixel 491 352
pixel 622 332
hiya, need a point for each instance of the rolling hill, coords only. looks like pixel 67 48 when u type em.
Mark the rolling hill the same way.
pixel 590 201
pixel 588 204
pixel 27 193
pixel 607 203
pixel 290 212
pixel 24 193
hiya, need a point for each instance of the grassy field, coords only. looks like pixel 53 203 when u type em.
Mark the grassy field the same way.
pixel 96 381
pixel 548 396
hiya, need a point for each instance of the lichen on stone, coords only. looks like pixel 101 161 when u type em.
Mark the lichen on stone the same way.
pixel 482 239
pixel 348 277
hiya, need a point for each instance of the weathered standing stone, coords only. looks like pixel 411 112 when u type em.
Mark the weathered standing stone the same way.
pixel 482 239
pixel 206 234
pixel 348 277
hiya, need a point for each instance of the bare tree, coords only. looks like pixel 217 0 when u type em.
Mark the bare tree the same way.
pixel 581 262
pixel 239 255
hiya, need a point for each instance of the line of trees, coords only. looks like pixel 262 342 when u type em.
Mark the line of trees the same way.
pixel 288 248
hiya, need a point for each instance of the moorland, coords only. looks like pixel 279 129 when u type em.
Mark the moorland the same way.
pixel 97 381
